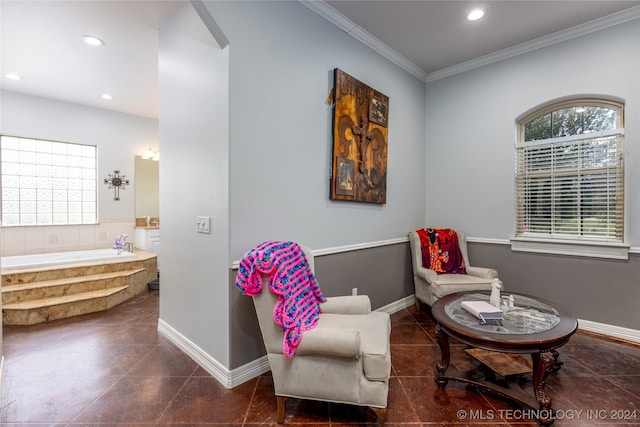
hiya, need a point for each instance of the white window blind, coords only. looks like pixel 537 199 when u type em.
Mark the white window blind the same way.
pixel 571 187
pixel 47 182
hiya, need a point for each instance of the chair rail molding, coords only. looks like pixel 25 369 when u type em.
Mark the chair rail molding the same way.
pixel 368 245
pixel 346 248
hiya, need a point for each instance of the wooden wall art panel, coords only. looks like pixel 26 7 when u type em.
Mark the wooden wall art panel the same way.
pixel 360 120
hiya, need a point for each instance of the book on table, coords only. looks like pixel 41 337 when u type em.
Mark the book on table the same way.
pixel 482 310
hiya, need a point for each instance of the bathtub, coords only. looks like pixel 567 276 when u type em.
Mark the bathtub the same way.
pixel 45 287
pixel 61 258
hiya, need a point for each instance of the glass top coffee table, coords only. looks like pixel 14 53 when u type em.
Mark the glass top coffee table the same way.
pixel 532 326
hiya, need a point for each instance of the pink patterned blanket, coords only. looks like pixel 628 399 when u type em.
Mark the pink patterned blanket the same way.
pixel 291 278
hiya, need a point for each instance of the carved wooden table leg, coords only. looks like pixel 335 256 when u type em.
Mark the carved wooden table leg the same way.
pixel 556 363
pixel 543 364
pixel 443 364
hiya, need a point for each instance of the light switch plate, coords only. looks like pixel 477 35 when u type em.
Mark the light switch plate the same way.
pixel 203 224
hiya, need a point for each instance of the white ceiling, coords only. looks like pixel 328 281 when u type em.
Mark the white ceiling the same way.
pixel 41 40
pixel 436 35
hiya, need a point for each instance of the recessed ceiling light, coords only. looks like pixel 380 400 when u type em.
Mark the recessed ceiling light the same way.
pixel 13 76
pixel 107 96
pixel 93 41
pixel 475 14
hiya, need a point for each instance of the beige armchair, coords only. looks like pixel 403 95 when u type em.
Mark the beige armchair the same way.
pixel 429 285
pixel 345 359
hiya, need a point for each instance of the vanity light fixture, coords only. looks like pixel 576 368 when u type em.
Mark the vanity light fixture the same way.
pixel 107 96
pixel 13 76
pixel 92 40
pixel 151 154
pixel 475 14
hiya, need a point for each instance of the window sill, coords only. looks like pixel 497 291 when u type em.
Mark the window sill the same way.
pixel 583 248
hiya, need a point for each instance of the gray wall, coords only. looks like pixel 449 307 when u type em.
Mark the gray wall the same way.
pixel 282 57
pixel 471 127
pixel 598 290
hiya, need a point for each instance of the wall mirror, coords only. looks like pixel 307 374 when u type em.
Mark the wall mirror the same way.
pixel 147 188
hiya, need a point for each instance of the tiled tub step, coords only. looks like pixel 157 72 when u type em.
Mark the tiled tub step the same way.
pixel 59 287
pixel 44 301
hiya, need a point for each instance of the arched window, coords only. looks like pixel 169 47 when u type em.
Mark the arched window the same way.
pixel 570 172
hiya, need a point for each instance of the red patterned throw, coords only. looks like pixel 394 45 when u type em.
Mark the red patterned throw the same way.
pixel 441 251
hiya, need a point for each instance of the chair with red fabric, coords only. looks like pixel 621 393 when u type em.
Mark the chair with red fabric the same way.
pixel 431 285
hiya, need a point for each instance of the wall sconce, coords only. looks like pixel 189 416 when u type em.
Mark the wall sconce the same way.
pixel 116 181
pixel 151 154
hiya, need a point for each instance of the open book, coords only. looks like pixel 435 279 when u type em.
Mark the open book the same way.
pixel 482 310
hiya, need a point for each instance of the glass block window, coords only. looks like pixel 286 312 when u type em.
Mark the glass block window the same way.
pixel 47 182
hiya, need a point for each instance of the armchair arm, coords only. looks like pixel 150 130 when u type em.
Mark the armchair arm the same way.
pixel 330 342
pixel 486 273
pixel 356 304
pixel 426 274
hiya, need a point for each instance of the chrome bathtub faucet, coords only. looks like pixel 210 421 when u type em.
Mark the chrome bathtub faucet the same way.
pixel 121 242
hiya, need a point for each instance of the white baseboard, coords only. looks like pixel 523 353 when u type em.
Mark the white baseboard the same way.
pixel 394 307
pixel 626 334
pixel 208 363
pixel 249 371
pixel 228 378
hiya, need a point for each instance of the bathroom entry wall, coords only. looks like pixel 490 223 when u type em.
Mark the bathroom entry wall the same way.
pixel 119 138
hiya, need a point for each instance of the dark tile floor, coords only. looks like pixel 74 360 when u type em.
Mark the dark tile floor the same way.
pixel 113 369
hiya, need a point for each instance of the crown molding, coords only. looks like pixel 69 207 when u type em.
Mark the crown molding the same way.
pixel 544 41
pixel 338 19
pixel 348 26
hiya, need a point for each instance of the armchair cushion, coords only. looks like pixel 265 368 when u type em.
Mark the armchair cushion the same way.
pixel 330 342
pixel 449 283
pixel 374 330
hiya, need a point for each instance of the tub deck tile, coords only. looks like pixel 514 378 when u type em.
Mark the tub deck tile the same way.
pixel 64 299
pixel 59 287
pixel 31 297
